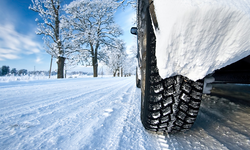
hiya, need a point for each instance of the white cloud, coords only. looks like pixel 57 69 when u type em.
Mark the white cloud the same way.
pixel 13 44
pixel 4 56
pixel 38 60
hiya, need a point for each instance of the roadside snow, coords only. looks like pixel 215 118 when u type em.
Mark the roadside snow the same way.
pixel 104 113
pixel 27 78
pixel 197 37
pixel 86 113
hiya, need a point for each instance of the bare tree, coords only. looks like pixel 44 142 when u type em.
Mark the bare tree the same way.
pixel 131 62
pixel 115 57
pixel 90 24
pixel 49 11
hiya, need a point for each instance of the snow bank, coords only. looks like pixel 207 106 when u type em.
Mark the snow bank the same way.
pixel 195 38
pixel 25 78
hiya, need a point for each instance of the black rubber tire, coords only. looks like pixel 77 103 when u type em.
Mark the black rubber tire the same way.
pixel 170 105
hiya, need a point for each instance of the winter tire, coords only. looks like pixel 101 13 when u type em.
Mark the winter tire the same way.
pixel 168 105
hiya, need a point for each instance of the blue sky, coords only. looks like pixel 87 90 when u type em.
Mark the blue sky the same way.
pixel 21 48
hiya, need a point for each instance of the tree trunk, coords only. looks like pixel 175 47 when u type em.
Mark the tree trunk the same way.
pixel 121 72
pixel 60 64
pixel 61 59
pixel 95 67
pixel 94 62
pixel 94 59
pixel 118 74
pixel 50 66
pixel 65 76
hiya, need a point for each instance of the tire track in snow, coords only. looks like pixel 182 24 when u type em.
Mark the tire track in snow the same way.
pixel 90 111
pixel 33 117
pixel 106 111
pixel 123 128
pixel 216 127
pixel 217 118
pixel 98 89
pixel 162 138
pixel 64 102
pixel 194 139
pixel 116 115
pixel 34 105
pixel 133 134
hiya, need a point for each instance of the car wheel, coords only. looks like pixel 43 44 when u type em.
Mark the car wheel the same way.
pixel 168 105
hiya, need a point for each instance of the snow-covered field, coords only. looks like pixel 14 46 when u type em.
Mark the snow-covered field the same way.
pixel 42 77
pixel 104 113
pixel 25 78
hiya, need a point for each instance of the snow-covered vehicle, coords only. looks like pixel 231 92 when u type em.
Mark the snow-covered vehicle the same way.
pixel 183 46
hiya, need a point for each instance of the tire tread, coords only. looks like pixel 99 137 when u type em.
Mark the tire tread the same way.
pixel 173 103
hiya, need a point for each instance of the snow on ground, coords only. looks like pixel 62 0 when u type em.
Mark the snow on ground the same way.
pixel 87 113
pixel 197 37
pixel 221 124
pixel 26 78
pixel 104 113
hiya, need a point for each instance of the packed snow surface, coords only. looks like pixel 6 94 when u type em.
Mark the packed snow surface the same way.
pixel 196 37
pixel 104 113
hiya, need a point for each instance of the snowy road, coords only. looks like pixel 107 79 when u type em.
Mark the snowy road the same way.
pixel 104 113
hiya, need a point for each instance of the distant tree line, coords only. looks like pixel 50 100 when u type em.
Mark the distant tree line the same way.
pixel 5 71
